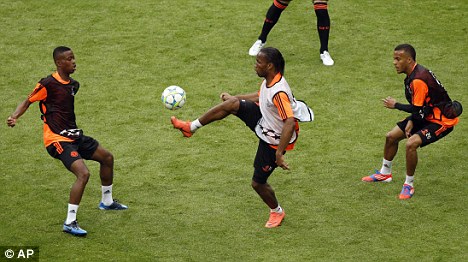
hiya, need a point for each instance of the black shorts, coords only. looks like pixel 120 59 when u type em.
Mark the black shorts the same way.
pixel 264 163
pixel 69 152
pixel 265 159
pixel 249 112
pixel 428 131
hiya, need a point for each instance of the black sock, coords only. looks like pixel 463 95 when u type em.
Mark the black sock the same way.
pixel 272 16
pixel 323 25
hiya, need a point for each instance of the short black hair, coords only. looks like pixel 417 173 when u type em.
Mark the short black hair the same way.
pixel 275 57
pixel 60 50
pixel 407 48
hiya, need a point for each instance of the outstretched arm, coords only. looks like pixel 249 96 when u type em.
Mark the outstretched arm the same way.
pixel 22 107
pixel 252 97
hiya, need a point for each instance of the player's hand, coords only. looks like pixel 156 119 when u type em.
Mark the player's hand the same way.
pixel 389 102
pixel 280 162
pixel 408 128
pixel 11 122
pixel 224 96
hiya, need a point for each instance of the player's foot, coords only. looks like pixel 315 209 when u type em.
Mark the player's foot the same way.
pixel 255 49
pixel 378 177
pixel 183 126
pixel 74 229
pixel 326 58
pixel 406 192
pixel 114 206
pixel 275 219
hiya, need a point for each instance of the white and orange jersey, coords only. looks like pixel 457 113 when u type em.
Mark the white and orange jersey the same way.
pixel 277 103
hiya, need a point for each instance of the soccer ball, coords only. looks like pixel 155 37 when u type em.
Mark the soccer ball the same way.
pixel 173 97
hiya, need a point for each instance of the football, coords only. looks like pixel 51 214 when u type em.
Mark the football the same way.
pixel 173 97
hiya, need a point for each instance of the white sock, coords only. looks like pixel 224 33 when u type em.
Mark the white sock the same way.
pixel 71 215
pixel 278 209
pixel 386 167
pixel 195 125
pixel 409 180
pixel 107 195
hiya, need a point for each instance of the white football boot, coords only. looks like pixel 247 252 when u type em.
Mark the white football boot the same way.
pixel 255 49
pixel 326 58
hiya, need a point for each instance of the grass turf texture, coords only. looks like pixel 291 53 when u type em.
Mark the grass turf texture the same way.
pixel 190 199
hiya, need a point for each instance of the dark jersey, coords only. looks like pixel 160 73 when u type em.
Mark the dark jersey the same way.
pixel 436 91
pixel 57 105
pixel 423 89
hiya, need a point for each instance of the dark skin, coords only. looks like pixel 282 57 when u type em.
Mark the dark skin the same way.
pixel 66 66
pixel 230 105
pixel 403 63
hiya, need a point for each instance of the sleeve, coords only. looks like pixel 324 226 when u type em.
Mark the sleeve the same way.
pixel 282 103
pixel 420 92
pixel 404 107
pixel 38 94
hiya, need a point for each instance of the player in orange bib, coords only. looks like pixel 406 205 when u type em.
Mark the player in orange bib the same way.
pixel 272 114
pixel 427 123
pixel 62 138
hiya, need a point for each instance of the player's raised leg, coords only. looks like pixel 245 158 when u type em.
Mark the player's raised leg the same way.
pixel 218 112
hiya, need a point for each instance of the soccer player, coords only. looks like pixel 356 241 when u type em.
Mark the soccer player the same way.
pixel 272 114
pixel 62 138
pixel 426 124
pixel 323 27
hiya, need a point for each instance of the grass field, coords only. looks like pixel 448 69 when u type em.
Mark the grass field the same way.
pixel 190 199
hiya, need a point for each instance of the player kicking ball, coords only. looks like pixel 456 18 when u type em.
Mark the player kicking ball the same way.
pixel 272 114
pixel 62 138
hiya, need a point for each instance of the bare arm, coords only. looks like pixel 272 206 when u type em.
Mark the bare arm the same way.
pixel 286 134
pixel 252 97
pixel 22 107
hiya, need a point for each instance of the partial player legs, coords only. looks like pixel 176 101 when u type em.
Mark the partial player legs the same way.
pixel 392 140
pixel 271 18
pixel 323 29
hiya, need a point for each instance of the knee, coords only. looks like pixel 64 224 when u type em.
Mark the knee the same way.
pixel 413 143
pixel 255 185
pixel 79 169
pixel 391 139
pixel 108 159
pixel 231 104
pixel 83 176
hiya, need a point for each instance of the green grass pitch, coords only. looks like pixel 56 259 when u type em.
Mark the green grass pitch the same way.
pixel 190 199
